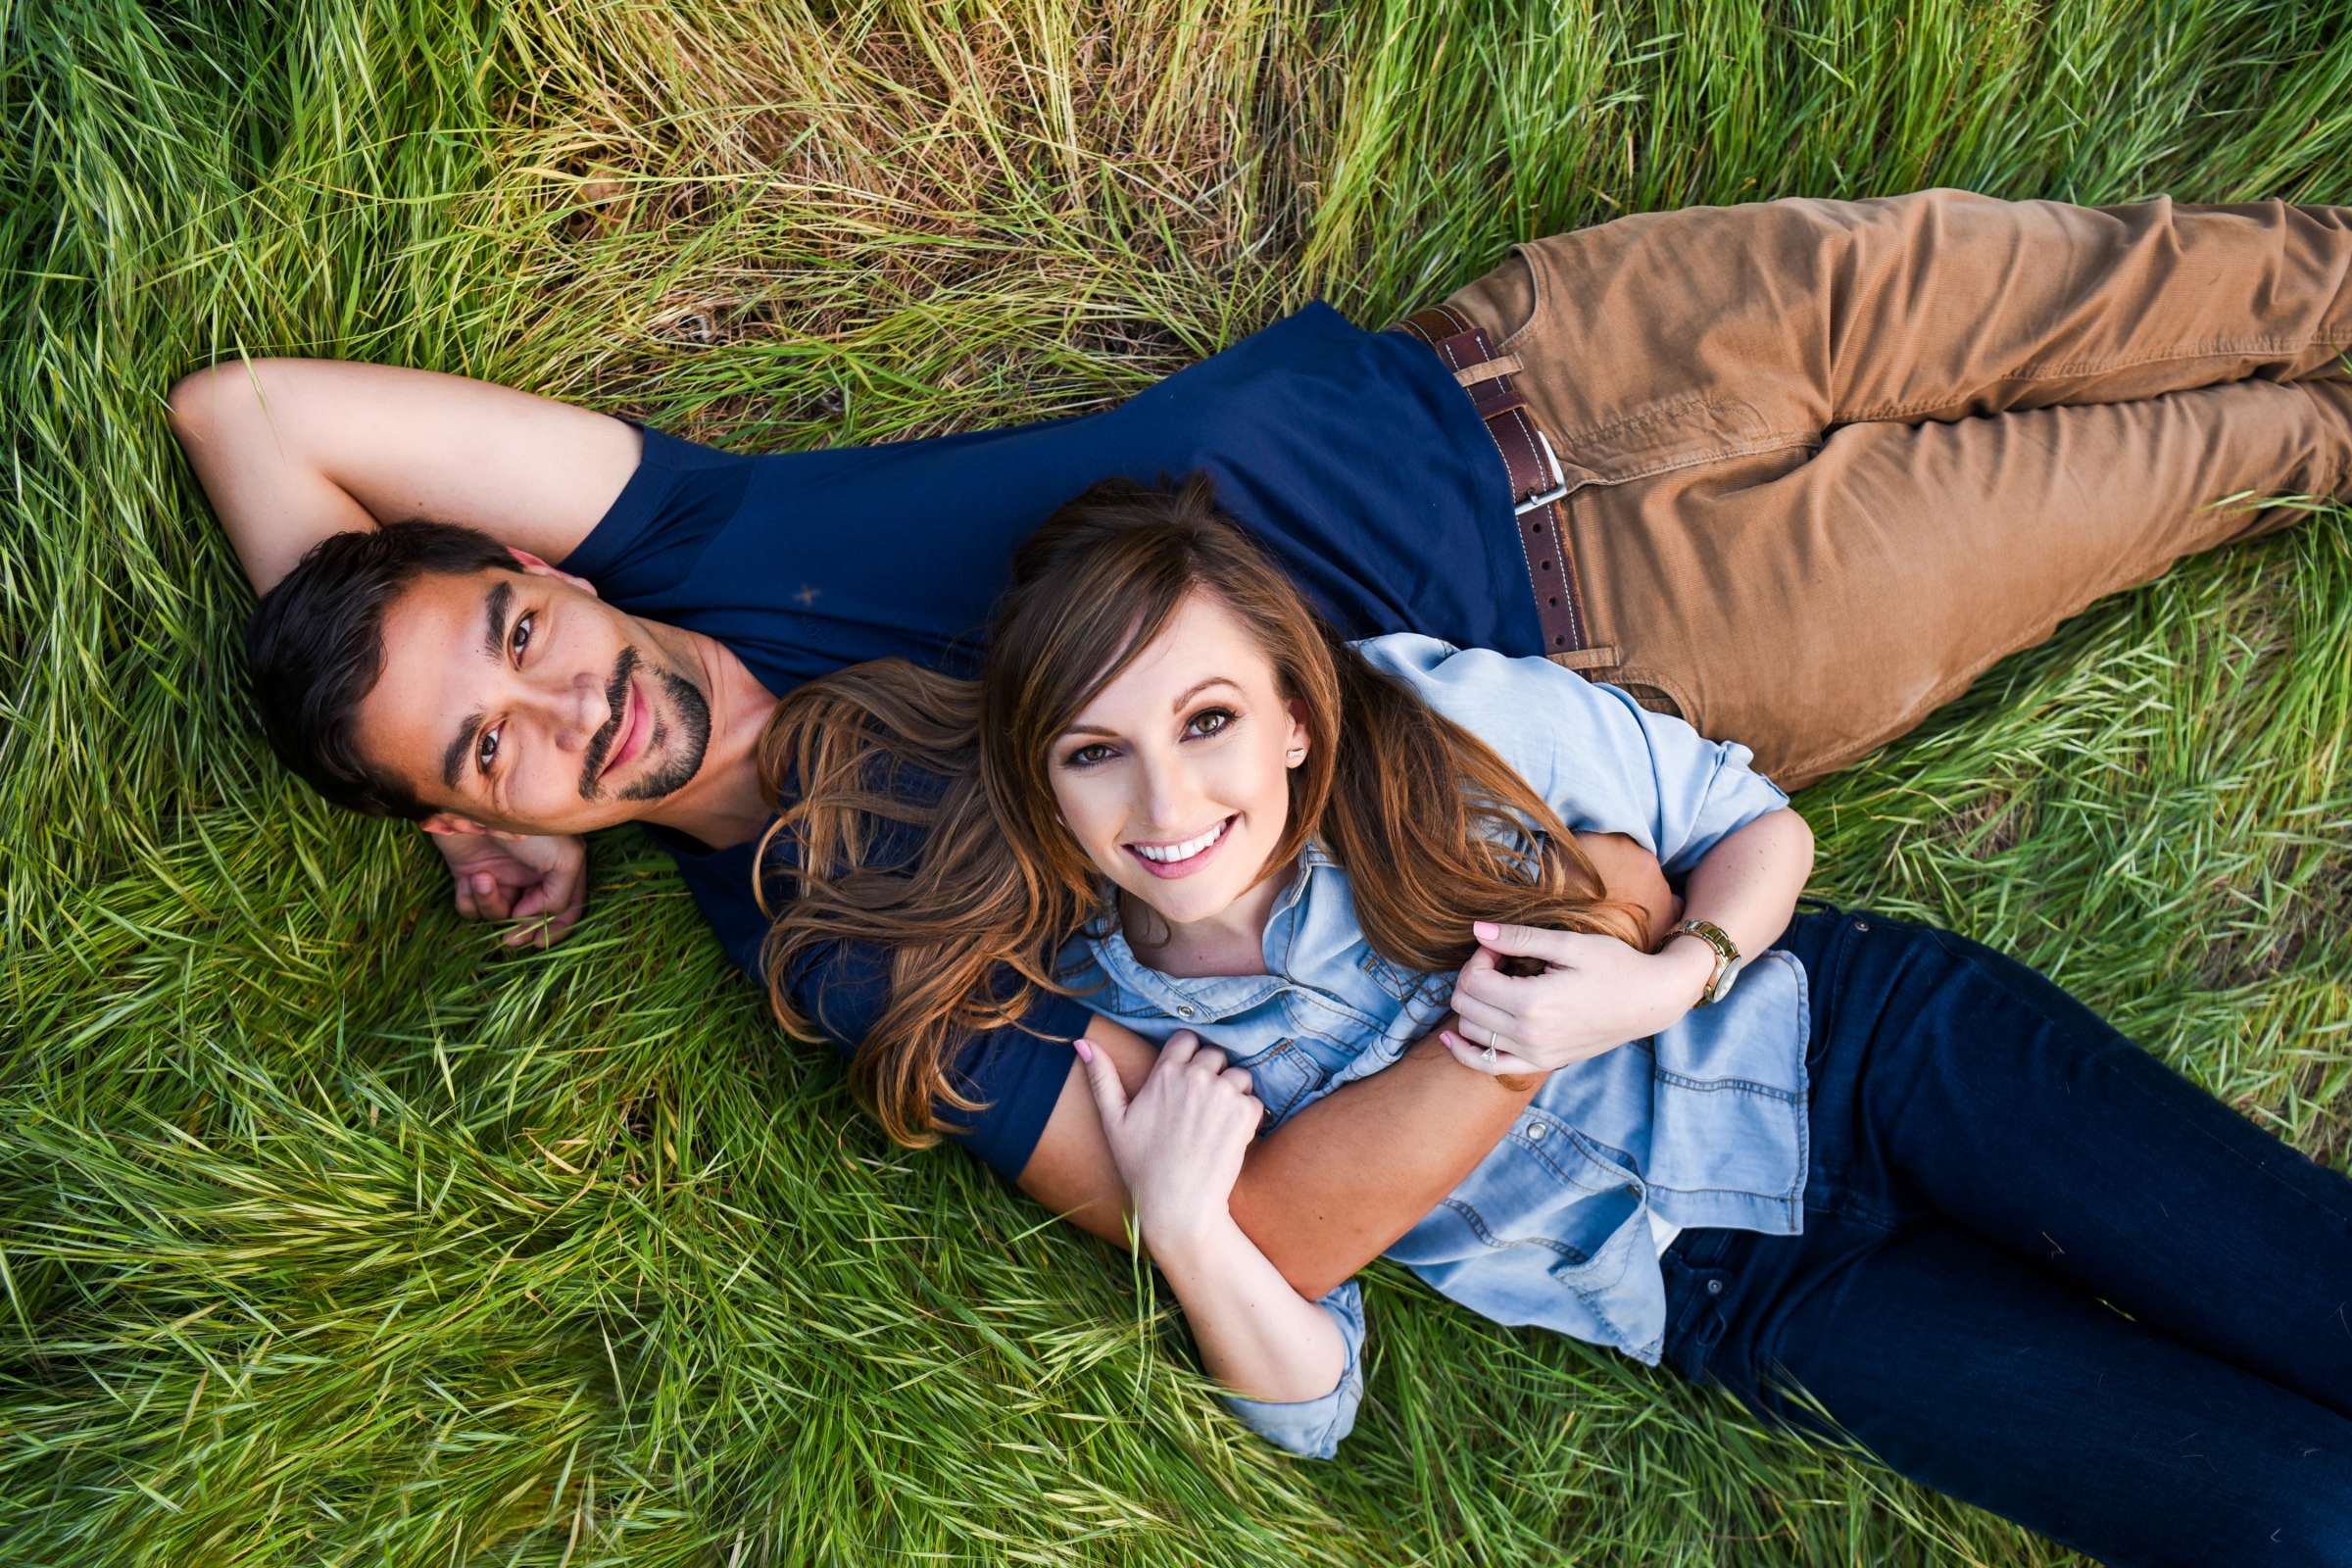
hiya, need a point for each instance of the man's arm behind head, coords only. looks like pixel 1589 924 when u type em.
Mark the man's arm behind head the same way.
pixel 291 451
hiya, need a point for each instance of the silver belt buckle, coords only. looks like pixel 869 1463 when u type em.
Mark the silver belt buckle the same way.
pixel 1559 481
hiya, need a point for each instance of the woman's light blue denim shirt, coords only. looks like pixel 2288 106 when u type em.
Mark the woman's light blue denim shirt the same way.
pixel 1704 1122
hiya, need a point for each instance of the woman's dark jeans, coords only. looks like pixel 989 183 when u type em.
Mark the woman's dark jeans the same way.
pixel 2041 1271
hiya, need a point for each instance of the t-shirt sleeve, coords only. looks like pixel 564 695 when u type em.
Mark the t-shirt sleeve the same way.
pixel 681 497
pixel 1602 760
pixel 1016 1075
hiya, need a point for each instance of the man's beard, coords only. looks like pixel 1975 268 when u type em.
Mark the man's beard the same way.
pixel 692 732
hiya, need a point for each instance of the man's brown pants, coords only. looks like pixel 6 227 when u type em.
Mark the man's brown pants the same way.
pixel 1833 459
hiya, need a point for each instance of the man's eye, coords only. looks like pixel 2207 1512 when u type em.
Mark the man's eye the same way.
pixel 485 750
pixel 1211 720
pixel 1087 755
pixel 520 637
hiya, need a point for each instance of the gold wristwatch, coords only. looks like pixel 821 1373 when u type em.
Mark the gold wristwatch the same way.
pixel 1728 962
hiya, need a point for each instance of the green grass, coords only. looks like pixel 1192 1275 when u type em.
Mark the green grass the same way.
pixel 330 1235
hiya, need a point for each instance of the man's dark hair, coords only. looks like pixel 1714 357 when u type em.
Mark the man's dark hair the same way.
pixel 316 646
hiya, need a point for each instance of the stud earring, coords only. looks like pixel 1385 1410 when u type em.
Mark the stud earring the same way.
pixel 1295 756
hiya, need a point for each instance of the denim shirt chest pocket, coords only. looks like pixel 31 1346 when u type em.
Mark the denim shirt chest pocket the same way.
pixel 1285 1076
pixel 1347 1034
pixel 1366 1006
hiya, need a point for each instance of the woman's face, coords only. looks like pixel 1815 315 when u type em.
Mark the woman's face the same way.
pixel 1174 780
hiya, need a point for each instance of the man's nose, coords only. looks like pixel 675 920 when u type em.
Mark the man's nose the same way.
pixel 573 712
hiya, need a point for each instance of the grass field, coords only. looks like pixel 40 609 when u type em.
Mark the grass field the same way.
pixel 330 1234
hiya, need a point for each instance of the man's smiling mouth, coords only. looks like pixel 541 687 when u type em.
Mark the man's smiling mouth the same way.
pixel 633 723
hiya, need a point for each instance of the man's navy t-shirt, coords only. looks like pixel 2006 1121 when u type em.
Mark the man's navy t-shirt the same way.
pixel 1351 455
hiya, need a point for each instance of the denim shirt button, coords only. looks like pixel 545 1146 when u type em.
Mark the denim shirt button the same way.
pixel 1183 1011
pixel 1535 1132
pixel 1714 1286
pixel 1861 925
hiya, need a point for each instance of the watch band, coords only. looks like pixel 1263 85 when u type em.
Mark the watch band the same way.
pixel 1727 952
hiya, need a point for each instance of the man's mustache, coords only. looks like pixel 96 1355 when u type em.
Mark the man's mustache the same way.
pixel 616 695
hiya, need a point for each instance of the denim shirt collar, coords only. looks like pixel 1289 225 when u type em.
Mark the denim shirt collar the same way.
pixel 1215 998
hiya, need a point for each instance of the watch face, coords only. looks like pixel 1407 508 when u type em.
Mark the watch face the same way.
pixel 1730 973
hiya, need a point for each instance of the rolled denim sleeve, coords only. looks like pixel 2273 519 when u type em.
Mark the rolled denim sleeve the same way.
pixel 1602 760
pixel 1313 1428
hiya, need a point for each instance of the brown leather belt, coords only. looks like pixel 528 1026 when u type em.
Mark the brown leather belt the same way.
pixel 1539 489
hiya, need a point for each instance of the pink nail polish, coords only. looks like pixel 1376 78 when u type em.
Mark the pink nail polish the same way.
pixel 1086 1053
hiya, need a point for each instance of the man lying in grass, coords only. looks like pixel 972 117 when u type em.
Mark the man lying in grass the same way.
pixel 1892 1170
pixel 1798 471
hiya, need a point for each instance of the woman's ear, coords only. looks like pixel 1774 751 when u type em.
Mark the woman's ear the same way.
pixel 1300 737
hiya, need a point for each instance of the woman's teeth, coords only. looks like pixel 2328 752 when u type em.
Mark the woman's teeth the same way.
pixel 1170 854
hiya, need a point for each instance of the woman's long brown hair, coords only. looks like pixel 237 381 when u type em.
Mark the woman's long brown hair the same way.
pixel 1434 828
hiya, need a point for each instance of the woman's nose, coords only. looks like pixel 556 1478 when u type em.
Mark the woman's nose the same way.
pixel 1169 794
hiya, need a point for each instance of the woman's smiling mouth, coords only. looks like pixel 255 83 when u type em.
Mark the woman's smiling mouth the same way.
pixel 1182 858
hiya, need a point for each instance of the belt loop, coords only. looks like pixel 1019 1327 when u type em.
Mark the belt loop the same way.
pixel 1470 375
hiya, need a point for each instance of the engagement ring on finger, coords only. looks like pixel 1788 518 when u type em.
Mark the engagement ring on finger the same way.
pixel 1488 1055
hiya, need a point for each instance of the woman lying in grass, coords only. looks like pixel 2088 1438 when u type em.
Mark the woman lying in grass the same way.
pixel 1993 1241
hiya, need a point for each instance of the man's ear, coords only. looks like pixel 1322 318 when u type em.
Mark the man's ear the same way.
pixel 451 824
pixel 536 568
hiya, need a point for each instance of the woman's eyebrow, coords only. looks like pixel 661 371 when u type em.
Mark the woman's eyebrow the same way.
pixel 1192 692
pixel 1175 706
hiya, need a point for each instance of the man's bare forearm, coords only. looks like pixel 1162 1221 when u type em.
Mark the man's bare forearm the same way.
pixel 1329 1191
pixel 292 451
pixel 1331 1188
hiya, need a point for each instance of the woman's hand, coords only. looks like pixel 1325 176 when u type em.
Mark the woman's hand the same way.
pixel 1179 1144
pixel 1595 993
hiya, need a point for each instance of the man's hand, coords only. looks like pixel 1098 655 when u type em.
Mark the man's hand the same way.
pixel 541 880
pixel 1595 993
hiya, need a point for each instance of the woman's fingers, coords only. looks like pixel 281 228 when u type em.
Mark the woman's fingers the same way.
pixel 1185 1050
pixel 1478 1031
pixel 1485 1015
pixel 1209 1060
pixel 1530 942
pixel 1474 1058
pixel 1110 1096
pixel 1480 979
pixel 1178 1049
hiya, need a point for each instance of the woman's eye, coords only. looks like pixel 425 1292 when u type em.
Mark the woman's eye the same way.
pixel 521 635
pixel 1086 756
pixel 1211 720
pixel 485 750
